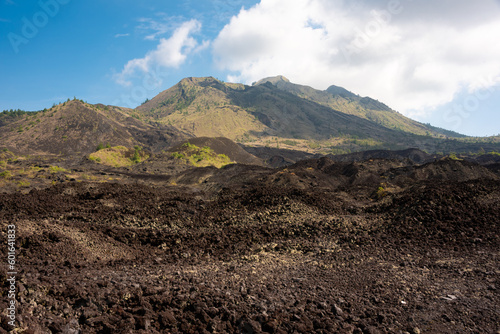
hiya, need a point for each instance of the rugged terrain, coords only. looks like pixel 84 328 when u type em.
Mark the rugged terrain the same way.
pixel 373 246
pixel 75 128
pixel 151 220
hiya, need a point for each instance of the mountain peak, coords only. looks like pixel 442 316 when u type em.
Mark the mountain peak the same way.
pixel 198 80
pixel 272 80
pixel 275 107
pixel 335 90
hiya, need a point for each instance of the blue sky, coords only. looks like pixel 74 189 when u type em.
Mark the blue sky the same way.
pixel 436 61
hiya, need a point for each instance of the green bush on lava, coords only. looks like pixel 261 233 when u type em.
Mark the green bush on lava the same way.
pixel 5 174
pixel 119 156
pixel 201 157
pixel 57 169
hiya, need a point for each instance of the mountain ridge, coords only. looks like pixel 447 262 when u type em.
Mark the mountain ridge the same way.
pixel 274 109
pixel 272 113
pixel 346 101
pixel 77 128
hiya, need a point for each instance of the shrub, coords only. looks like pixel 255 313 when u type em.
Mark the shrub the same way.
pixel 206 149
pixel 381 191
pixel 290 142
pixel 6 174
pixel 56 169
pixel 119 156
pixel 314 145
pixel 201 157
pixel 178 155
pixel 137 157
pixel 190 146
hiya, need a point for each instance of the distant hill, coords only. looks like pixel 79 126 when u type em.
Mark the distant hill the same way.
pixel 276 113
pixel 341 99
pixel 274 119
pixel 77 128
pixel 276 107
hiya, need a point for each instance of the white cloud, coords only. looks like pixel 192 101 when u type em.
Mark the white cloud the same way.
pixel 169 53
pixel 158 26
pixel 412 55
pixel 121 35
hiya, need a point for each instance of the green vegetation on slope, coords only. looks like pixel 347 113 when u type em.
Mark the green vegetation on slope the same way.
pixel 10 116
pixel 15 113
pixel 119 156
pixel 201 157
pixel 202 107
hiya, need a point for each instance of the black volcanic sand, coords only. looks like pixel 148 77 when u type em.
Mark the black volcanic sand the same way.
pixel 260 255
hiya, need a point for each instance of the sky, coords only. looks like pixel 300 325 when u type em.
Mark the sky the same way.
pixel 435 61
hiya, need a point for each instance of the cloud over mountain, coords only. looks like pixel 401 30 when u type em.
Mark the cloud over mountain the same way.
pixel 415 55
pixel 169 53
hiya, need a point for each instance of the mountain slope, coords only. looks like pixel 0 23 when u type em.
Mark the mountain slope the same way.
pixel 209 107
pixel 341 99
pixel 276 113
pixel 77 128
pixel 202 107
pixel 289 116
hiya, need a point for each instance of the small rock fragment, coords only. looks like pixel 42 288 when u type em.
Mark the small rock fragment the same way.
pixel 72 327
pixel 337 310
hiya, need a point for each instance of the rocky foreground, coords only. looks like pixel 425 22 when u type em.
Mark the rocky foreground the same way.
pixel 318 247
